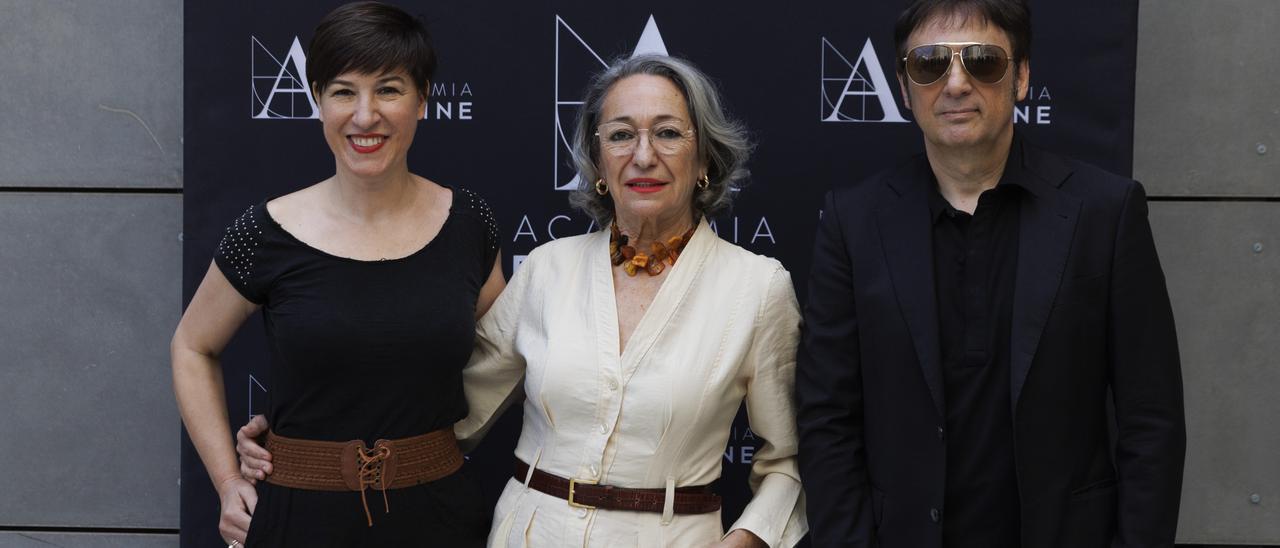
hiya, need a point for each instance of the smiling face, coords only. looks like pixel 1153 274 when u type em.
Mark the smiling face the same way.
pixel 958 111
pixel 649 184
pixel 369 121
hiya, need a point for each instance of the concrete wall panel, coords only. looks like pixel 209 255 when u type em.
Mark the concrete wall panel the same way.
pixel 1207 118
pixel 90 296
pixel 92 93
pixel 1221 261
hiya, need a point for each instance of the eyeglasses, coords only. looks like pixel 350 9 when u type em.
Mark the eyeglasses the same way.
pixel 986 63
pixel 621 139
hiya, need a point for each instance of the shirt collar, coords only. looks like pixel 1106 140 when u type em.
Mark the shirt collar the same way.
pixel 1014 176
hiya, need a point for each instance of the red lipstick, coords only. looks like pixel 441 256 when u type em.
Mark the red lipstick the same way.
pixel 645 185
pixel 378 141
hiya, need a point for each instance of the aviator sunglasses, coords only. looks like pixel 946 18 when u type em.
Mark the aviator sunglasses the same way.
pixel 986 63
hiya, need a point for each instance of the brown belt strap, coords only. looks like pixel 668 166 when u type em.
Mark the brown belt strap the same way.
pixel 350 466
pixel 583 494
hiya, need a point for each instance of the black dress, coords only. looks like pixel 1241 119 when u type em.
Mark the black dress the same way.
pixel 366 350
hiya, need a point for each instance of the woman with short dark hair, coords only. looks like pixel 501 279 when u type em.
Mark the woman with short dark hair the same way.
pixel 370 283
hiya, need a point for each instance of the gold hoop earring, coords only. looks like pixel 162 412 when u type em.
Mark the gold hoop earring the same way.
pixel 703 183
pixel 601 188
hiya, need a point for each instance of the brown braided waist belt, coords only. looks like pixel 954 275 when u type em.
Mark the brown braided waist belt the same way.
pixel 584 494
pixel 350 466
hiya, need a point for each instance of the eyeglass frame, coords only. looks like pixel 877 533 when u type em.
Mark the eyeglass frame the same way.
pixel 685 136
pixel 956 52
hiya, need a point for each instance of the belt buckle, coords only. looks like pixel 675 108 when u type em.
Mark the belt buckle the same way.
pixel 572 485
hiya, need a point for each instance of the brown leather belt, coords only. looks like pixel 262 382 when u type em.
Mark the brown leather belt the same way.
pixel 584 494
pixel 350 466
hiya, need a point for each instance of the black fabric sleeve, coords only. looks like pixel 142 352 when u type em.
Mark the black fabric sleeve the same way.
pixel 480 209
pixel 833 466
pixel 1146 381
pixel 239 255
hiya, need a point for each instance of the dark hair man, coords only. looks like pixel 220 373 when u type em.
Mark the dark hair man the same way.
pixel 971 311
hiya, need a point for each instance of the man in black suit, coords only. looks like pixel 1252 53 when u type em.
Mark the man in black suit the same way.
pixel 970 315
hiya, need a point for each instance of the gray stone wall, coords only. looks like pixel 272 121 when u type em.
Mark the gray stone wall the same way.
pixel 1207 147
pixel 90 263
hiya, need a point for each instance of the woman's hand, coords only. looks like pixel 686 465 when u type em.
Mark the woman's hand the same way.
pixel 741 538
pixel 238 502
pixel 255 460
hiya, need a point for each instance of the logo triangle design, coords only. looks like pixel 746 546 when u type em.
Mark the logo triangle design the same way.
pixel 650 40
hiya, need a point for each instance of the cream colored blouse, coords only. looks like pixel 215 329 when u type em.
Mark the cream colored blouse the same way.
pixel 723 327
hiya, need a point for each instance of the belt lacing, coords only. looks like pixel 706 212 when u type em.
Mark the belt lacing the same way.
pixel 371 461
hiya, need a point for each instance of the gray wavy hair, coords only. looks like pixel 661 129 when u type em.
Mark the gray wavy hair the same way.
pixel 722 141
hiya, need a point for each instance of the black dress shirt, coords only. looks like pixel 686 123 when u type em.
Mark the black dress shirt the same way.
pixel 975 259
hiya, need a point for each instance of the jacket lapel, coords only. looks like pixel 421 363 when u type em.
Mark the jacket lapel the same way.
pixel 906 237
pixel 1047 223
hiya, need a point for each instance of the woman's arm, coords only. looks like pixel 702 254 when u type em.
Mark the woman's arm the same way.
pixel 775 514
pixel 492 378
pixel 216 311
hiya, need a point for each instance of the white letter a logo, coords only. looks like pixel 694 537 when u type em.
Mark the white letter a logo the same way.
pixel 284 81
pixel 857 85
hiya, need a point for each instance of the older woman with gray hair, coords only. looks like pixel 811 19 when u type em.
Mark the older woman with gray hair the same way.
pixel 638 343
pixel 635 345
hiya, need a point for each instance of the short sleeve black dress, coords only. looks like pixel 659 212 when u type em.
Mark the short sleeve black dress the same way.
pixel 366 350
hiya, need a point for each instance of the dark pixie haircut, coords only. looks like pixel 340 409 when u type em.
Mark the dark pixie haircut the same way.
pixel 370 38
pixel 1011 16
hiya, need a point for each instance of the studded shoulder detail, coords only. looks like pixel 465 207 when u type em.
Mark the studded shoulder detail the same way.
pixel 477 204
pixel 239 245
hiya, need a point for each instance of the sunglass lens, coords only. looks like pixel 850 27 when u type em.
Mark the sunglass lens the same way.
pixel 927 64
pixel 985 62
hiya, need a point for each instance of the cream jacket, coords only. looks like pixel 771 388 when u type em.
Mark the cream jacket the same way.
pixel 723 327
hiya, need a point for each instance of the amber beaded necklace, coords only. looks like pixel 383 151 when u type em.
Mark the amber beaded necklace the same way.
pixel 633 261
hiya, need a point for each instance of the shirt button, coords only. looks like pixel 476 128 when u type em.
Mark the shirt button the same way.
pixel 935 515
pixel 594 471
pixel 940 433
pixel 603 428
pixel 582 513
pixel 613 385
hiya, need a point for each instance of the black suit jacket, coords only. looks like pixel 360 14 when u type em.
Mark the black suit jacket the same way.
pixel 1090 313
